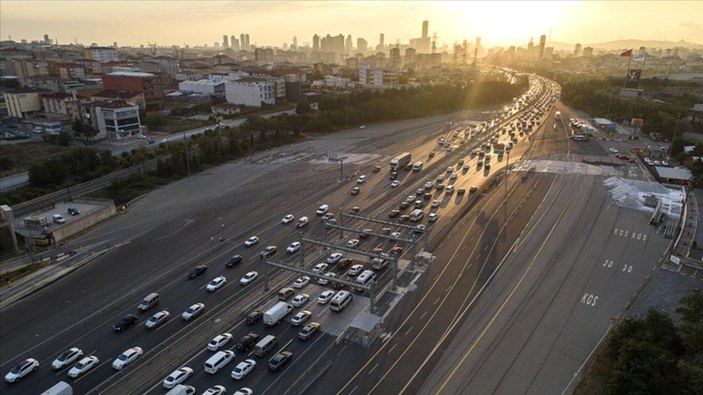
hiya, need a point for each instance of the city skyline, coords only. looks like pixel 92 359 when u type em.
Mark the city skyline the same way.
pixel 204 23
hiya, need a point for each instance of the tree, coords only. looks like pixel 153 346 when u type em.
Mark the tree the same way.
pixel 155 120
pixel 303 108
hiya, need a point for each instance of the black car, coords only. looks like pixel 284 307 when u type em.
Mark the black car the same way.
pixel 254 317
pixel 73 211
pixel 344 264
pixel 279 360
pixel 197 271
pixel 233 260
pixel 247 341
pixel 124 322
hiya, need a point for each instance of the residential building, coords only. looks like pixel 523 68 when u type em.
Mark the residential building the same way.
pixel 22 103
pixel 202 87
pixel 43 82
pixel 101 54
pixel 117 120
pixel 362 45
pixel 377 78
pixel 146 83
pixel 130 97
pixel 251 91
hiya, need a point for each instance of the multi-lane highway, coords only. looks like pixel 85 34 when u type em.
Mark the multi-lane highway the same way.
pixel 162 236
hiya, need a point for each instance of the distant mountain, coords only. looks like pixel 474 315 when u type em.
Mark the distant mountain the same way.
pixel 636 44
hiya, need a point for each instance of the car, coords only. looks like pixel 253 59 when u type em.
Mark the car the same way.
pixel 355 191
pixel 405 217
pixel 320 267
pixel 432 217
pixel 344 263
pixel 269 251
pixel 354 210
pixel 395 184
pixel 124 322
pixel 325 296
pixel 22 369
pixel 361 179
pixel 440 178
pixel 309 330
pixel 219 341
pixel 452 176
pixel 428 185
pixel 279 360
pixel 334 258
pixel 254 316
pixel 613 150
pixel 177 377
pixel 248 278
pixel 66 358
pixel 287 219
pixel 435 203
pixel 450 189
pixel 431 154
pixel 473 189
pixel 325 280
pixel 440 187
pixel 243 368
pixel 362 127
pixel 352 243
pixel 403 205
pixel 410 198
pixel 73 211
pixel 59 219
pixel 323 209
pixel 293 247
pixel 244 391
pixel 393 176
pixel 197 272
pixel 376 169
pixel 233 261
pixel 300 282
pixel 355 270
pixel 216 390
pixel 247 341
pixel 193 311
pixel 251 241
pixel 300 317
pixel 83 366
pixel 450 169
pixel 300 300
pixel 419 191
pixel 365 233
pixel 393 213
pixel 157 319
pixel 216 283
pixel 127 357
pixel 395 235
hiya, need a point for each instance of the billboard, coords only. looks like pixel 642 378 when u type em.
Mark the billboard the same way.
pixel 637 122
pixel 632 81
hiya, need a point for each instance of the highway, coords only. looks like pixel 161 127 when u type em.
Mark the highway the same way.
pixel 162 236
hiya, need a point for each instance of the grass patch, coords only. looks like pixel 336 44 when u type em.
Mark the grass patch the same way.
pixel 595 380
pixel 22 156
pixel 9 277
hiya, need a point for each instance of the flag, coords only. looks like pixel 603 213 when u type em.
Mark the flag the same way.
pixel 639 57
pixel 627 53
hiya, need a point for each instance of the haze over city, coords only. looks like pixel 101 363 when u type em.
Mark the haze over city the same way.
pixel 273 23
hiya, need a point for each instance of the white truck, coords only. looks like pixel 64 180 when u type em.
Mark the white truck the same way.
pixel 275 314
pixel 400 161
pixel 61 388
pixel 181 389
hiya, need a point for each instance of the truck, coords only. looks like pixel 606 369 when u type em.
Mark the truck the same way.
pixel 61 388
pixel 275 314
pixel 499 148
pixel 417 166
pixel 400 161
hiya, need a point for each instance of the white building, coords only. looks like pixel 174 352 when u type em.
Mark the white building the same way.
pixel 251 91
pixel 377 78
pixel 202 87
pixel 117 120
pixel 101 54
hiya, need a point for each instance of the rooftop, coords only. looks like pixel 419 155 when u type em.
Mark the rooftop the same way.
pixel 136 74
pixel 116 94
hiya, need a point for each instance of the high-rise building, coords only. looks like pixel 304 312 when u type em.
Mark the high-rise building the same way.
pixel 477 48
pixel 577 49
pixel 315 42
pixel 422 44
pixel 361 45
pixel 333 44
pixel 295 41
pixel 410 55
pixel 47 40
pixel 381 44
pixel 587 52
pixel 225 41
pixel 395 62
pixel 243 41
pixel 248 45
pixel 542 42
pixel 232 40
pixel 348 46
pixel 425 25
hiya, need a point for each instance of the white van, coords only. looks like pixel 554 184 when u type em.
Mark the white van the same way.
pixel 365 277
pixel 322 210
pixel 302 221
pixel 340 300
pixel 265 345
pixel 149 301
pixel 416 215
pixel 218 361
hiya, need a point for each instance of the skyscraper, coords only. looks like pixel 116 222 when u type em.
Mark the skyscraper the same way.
pixel 243 41
pixel 361 45
pixel 315 42
pixel 225 41
pixel 232 40
pixel 248 46
pixel 381 44
pixel 425 25
pixel 295 41
pixel 577 49
pixel 542 42
pixel 348 46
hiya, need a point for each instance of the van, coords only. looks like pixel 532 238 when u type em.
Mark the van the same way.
pixel 365 277
pixel 218 361
pixel 340 300
pixel 265 345
pixel 285 293
pixel 149 301
pixel 302 222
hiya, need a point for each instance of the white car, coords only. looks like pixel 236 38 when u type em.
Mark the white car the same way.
pixel 193 311
pixel 355 270
pixel 219 341
pixel 449 190
pixel 395 184
pixel 244 391
pixel 83 366
pixel 300 282
pixel 287 219
pixel 302 316
pixel 334 258
pixel 352 243
pixel 216 390
pixel 440 178
pixel 613 150
pixel 435 203
pixel 361 179
pixel 293 247
pixel 251 241
pixel 395 235
pixel 22 369
pixel 300 300
pixel 66 358
pixel 450 169
pixel 243 368
pixel 429 185
pixel 216 283
pixel 157 319
pixel 248 278
pixel 177 376
pixel 432 217
pixel 323 280
pixel 320 267
pixel 322 210
pixel 325 296
pixel 127 357
pixel 410 198
pixel 452 176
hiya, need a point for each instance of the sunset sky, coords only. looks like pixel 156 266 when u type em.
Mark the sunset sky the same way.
pixel 499 23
